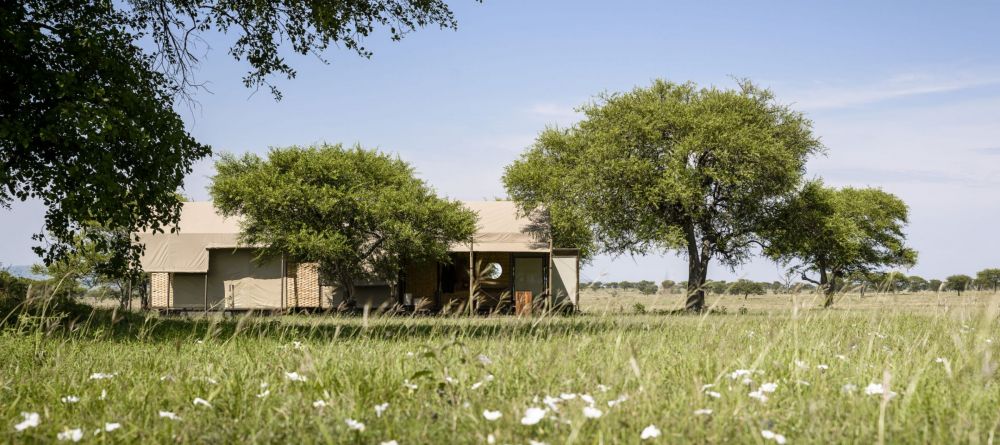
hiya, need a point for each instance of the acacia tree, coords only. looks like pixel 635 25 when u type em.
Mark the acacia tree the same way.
pixel 989 278
pixel 671 167
pixel 934 285
pixel 87 109
pixel 837 233
pixel 917 284
pixel 958 283
pixel 360 214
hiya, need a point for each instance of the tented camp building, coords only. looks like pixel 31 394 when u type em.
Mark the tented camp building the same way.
pixel 510 264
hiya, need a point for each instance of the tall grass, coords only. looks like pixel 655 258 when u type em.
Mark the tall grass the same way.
pixel 942 368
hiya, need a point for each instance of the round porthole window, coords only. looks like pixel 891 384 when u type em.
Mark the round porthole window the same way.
pixel 493 271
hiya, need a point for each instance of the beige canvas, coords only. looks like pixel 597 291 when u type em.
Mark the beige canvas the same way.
pixel 238 281
pixel 564 279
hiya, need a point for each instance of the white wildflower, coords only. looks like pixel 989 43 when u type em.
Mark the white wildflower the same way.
pixel 380 408
pixel 476 386
pixel 111 426
pixel 620 399
pixel 101 376
pixel 488 378
pixel 876 389
pixel 650 432
pixel 739 373
pixel 297 344
pixel 552 402
pixel 389 442
pixel 588 399
pixel 842 357
pixel 104 394
pixel 73 435
pixel 769 387
pixel 747 381
pixel 410 386
pixel 940 360
pixel 70 399
pixel 30 420
pixel 295 377
pixel 759 395
pixel 771 435
pixel 169 415
pixel 567 396
pixel 710 385
pixel 536 442
pixel 319 404
pixel 532 416
pixel 264 393
pixel 492 415
pixel 703 412
pixel 484 359
pixel 713 394
pixel 491 439
pixel 354 425
pixel 603 388
pixel 801 364
pixel 822 367
pixel 202 402
pixel 849 388
pixel 592 413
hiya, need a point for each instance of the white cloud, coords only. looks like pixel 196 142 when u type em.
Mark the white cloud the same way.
pixel 828 96
pixel 561 115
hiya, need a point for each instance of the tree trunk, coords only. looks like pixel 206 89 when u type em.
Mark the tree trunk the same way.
pixel 697 275
pixel 827 287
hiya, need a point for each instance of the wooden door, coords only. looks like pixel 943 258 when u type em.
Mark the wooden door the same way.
pixel 522 302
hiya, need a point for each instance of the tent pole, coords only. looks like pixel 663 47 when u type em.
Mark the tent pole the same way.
pixel 471 278
pixel 206 292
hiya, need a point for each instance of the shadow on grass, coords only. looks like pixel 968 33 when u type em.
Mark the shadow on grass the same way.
pixel 110 325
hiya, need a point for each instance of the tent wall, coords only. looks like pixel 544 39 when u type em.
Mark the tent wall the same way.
pixel 239 281
pixel 187 291
pixel 565 279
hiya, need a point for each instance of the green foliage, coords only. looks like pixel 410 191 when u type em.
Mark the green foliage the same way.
pixel 667 285
pixel 358 213
pixel 916 283
pixel 87 114
pixel 934 285
pixel 670 167
pixel 988 278
pixel 958 283
pixel 747 288
pixel 88 126
pixel 835 233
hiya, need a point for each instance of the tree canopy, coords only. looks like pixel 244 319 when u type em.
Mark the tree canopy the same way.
pixel 87 113
pixel 834 233
pixel 988 278
pixel 958 283
pixel 360 214
pixel 669 167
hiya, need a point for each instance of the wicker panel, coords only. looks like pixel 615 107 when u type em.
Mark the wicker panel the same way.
pixel 307 284
pixel 159 290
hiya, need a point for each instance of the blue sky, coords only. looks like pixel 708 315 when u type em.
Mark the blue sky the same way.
pixel 905 95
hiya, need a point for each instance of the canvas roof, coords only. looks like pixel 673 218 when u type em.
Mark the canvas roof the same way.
pixel 501 228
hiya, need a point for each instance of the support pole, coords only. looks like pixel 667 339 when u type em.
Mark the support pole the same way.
pixel 471 277
pixel 206 292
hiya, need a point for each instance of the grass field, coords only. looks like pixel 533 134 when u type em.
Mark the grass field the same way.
pixel 934 358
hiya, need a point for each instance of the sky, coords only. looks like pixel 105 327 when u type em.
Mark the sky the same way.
pixel 904 95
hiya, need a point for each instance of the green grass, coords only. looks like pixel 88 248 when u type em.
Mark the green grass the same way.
pixel 659 362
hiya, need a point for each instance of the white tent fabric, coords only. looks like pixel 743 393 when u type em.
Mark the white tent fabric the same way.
pixel 201 228
pixel 565 278
pixel 501 228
